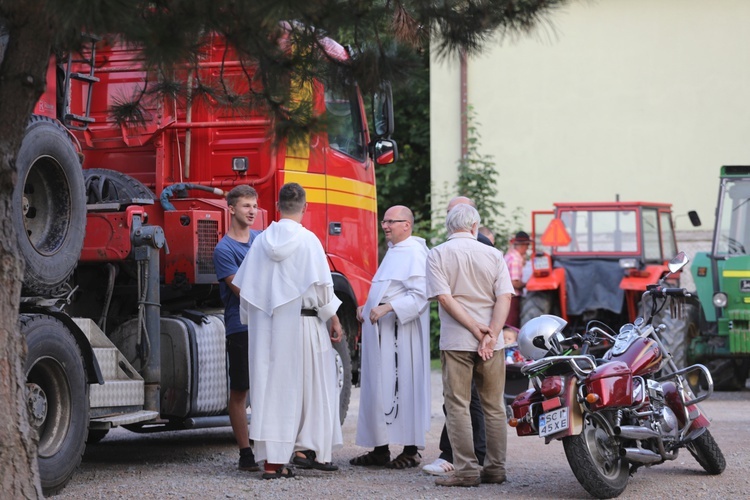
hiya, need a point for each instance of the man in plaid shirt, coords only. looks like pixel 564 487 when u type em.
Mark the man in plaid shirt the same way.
pixel 515 258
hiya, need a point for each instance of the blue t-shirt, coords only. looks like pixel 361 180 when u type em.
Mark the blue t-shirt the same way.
pixel 228 255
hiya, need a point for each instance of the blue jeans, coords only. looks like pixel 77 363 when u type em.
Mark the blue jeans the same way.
pixel 460 369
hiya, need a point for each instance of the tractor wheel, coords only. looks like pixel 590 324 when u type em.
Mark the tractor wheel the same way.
pixel 57 398
pixel 680 331
pixel 534 304
pixel 728 374
pixel 49 214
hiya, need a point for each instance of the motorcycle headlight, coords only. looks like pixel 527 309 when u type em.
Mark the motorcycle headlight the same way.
pixel 720 299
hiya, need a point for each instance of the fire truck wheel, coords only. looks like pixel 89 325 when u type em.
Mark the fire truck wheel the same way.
pixel 57 398
pixel 344 373
pixel 49 207
pixel 109 186
pixel 534 304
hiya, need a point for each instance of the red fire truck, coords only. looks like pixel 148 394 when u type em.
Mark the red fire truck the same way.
pixel 117 225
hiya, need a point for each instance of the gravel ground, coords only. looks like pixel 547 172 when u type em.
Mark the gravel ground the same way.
pixel 202 464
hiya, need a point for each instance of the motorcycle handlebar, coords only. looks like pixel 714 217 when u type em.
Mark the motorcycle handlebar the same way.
pixel 658 291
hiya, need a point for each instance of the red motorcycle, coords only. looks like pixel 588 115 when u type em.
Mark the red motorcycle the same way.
pixel 615 413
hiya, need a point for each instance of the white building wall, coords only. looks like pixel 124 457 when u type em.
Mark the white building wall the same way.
pixel 644 99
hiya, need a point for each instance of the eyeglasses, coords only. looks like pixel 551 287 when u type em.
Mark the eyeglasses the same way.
pixel 390 222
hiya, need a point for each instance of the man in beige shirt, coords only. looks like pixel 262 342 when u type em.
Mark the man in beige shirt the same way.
pixel 471 283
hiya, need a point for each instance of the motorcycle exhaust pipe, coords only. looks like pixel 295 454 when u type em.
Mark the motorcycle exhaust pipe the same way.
pixel 640 455
pixel 635 432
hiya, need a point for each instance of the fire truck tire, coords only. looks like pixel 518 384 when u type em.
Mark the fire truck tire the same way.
pixel 49 214
pixel 110 186
pixel 57 398
pixel 534 304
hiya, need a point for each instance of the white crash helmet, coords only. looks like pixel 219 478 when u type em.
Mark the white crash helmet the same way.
pixel 534 339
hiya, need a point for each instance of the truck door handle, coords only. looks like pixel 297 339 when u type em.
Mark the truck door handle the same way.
pixel 334 229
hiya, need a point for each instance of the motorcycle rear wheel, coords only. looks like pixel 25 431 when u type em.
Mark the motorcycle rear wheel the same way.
pixel 595 460
pixel 707 453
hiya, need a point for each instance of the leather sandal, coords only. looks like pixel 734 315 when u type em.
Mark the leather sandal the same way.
pixel 281 473
pixel 404 461
pixel 309 462
pixel 371 458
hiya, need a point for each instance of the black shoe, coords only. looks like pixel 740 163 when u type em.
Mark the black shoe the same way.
pixel 247 462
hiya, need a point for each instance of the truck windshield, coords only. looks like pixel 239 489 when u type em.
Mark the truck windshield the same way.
pixel 733 223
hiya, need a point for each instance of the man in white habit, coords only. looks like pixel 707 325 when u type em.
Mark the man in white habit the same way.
pixel 286 298
pixel 395 395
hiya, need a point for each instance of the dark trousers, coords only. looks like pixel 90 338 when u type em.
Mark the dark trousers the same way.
pixel 477 425
pixel 514 315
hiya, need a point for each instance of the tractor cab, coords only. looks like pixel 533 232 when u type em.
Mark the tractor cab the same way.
pixel 594 260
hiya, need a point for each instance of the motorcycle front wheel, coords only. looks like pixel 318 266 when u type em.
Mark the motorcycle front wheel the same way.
pixel 707 453
pixel 595 460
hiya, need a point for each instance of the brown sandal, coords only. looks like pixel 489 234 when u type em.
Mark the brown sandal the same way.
pixel 404 461
pixel 371 458
pixel 284 473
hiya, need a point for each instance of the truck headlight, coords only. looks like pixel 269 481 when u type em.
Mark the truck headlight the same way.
pixel 720 299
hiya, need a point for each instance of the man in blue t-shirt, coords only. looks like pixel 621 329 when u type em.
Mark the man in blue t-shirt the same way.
pixel 228 255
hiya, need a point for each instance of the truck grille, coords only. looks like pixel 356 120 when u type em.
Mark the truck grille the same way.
pixel 208 238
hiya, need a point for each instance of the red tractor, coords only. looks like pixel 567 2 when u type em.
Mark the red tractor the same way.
pixel 117 226
pixel 594 260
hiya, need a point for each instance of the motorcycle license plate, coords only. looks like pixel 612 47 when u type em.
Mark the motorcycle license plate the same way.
pixel 553 422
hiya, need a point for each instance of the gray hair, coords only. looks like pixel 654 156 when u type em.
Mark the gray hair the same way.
pixel 462 217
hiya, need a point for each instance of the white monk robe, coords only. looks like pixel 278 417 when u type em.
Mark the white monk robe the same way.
pixel 294 391
pixel 394 405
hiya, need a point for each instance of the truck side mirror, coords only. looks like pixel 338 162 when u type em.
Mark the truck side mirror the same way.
pixel 382 111
pixel 385 151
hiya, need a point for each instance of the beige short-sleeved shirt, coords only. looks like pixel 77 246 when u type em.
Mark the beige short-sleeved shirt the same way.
pixel 475 275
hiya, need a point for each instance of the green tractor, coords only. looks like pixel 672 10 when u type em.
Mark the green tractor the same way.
pixel 722 280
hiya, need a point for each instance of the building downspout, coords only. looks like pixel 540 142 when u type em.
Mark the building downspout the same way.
pixel 464 106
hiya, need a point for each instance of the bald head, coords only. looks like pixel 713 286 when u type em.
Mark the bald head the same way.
pixel 460 200
pixel 397 223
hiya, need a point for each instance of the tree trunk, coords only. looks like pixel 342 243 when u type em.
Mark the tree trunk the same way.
pixel 22 81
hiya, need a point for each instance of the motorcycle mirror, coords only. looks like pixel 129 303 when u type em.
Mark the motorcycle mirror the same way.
pixel 678 262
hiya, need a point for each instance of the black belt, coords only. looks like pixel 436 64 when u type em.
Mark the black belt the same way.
pixel 308 312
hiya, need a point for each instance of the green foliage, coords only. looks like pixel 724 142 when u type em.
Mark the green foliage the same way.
pixel 478 177
pixel 407 182
pixel 434 331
